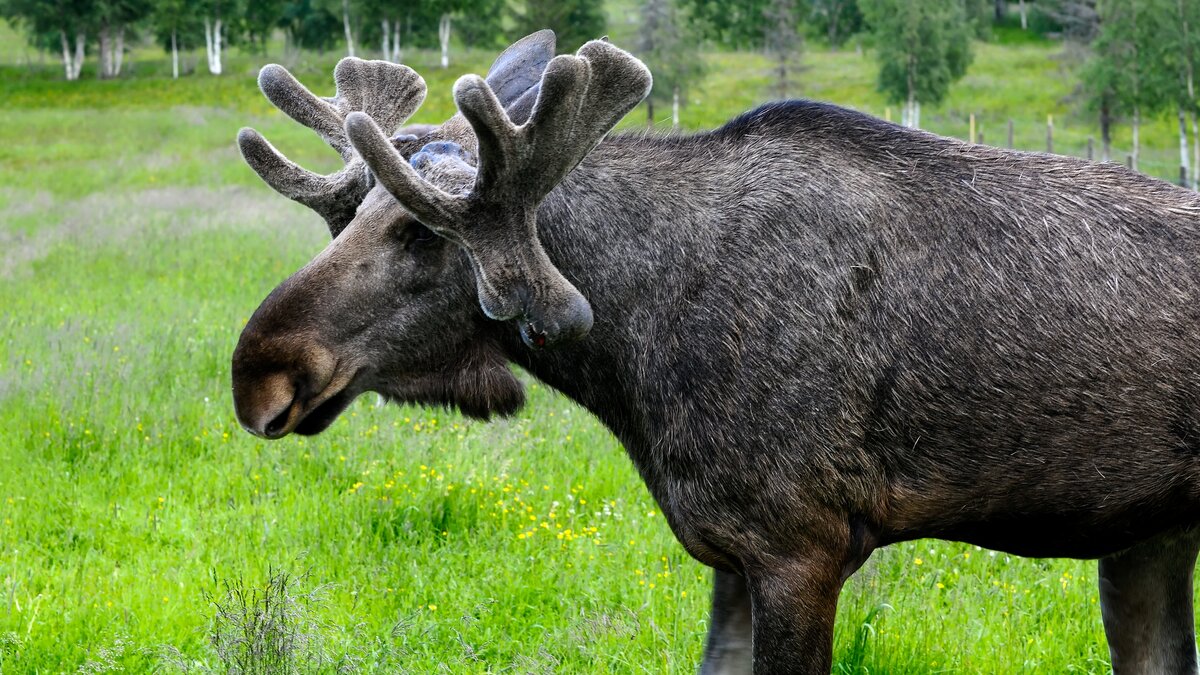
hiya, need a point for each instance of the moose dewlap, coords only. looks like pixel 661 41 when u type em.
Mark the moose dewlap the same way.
pixel 816 333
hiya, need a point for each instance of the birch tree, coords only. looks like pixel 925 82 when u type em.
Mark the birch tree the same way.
pixel 573 21
pixel 215 14
pixel 55 25
pixel 114 19
pixel 922 48
pixel 783 41
pixel 176 25
pixel 665 44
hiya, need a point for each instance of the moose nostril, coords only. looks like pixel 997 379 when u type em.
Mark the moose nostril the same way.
pixel 274 426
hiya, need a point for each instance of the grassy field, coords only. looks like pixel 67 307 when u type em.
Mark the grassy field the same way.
pixel 138 521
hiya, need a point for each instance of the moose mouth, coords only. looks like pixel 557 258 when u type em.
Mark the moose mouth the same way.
pixel 319 418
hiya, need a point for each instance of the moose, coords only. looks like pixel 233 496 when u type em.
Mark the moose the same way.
pixel 815 333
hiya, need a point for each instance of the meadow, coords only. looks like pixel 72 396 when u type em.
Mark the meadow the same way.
pixel 140 528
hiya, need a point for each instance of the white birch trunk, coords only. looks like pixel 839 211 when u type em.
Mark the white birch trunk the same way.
pixel 675 108
pixel 174 54
pixel 119 52
pixel 916 118
pixel 105 53
pixel 346 26
pixel 80 44
pixel 387 39
pixel 1024 17
pixel 1195 153
pixel 444 38
pixel 68 63
pixel 1184 160
pixel 1137 124
pixel 396 56
pixel 212 44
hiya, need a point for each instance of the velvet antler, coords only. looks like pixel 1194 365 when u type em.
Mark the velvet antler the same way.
pixel 491 211
pixel 384 92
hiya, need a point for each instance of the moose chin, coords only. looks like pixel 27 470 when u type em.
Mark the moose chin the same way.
pixel 814 332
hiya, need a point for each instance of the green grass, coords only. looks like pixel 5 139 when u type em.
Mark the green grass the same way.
pixel 135 244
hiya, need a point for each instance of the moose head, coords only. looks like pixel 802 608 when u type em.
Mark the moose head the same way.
pixel 435 242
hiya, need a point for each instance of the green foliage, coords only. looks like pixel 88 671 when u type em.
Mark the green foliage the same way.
pixel 835 20
pixel 573 21
pixel 737 24
pixel 1129 69
pixel 665 44
pixel 922 47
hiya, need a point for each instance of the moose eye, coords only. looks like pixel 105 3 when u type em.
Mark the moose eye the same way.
pixel 421 234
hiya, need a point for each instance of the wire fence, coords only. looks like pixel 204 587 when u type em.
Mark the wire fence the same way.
pixel 1049 134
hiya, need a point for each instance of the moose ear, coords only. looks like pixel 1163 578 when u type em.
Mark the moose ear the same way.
pixel 520 67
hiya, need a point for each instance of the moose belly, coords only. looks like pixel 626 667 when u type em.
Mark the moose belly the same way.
pixel 1089 517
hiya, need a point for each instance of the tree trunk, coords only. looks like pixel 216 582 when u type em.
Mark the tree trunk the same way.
pixel 212 44
pixel 1195 153
pixel 105 71
pixel 346 26
pixel 444 38
pixel 1137 124
pixel 675 108
pixel 70 64
pixel 387 39
pixel 916 114
pixel 1105 132
pixel 119 51
pixel 80 44
pixel 1001 9
pixel 1024 16
pixel 174 53
pixel 396 41
pixel 649 112
pixel 1184 163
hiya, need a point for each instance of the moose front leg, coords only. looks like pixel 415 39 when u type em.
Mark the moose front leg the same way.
pixel 728 649
pixel 793 605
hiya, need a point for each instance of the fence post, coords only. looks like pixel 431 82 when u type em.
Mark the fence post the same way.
pixel 1049 133
pixel 1183 176
pixel 981 136
pixel 887 113
pixel 1129 162
pixel 1091 147
pixel 1010 134
pixel 971 130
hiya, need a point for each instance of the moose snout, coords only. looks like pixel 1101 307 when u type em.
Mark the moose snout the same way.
pixel 266 409
pixel 275 383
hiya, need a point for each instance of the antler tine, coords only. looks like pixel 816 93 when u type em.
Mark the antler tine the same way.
pixel 580 99
pixel 432 206
pixel 297 102
pixel 385 92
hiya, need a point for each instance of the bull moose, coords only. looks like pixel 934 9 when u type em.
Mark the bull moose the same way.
pixel 815 333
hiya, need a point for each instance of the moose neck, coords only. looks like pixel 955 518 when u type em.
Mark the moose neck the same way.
pixel 632 228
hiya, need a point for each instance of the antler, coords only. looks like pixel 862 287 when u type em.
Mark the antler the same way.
pixel 384 92
pixel 493 216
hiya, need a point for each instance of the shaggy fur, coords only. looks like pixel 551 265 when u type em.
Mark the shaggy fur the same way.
pixel 817 333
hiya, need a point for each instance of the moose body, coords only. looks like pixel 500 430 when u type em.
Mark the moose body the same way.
pixel 816 333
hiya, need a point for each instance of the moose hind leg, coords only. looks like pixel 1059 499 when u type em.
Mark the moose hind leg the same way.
pixel 729 648
pixel 1146 601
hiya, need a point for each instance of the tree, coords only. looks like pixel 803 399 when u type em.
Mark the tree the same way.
pixel 665 45
pixel 922 47
pixel 782 41
pixel 738 24
pixel 259 20
pixel 215 14
pixel 835 19
pixel 573 21
pixel 177 26
pixel 54 24
pixel 309 26
pixel 1125 76
pixel 114 19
